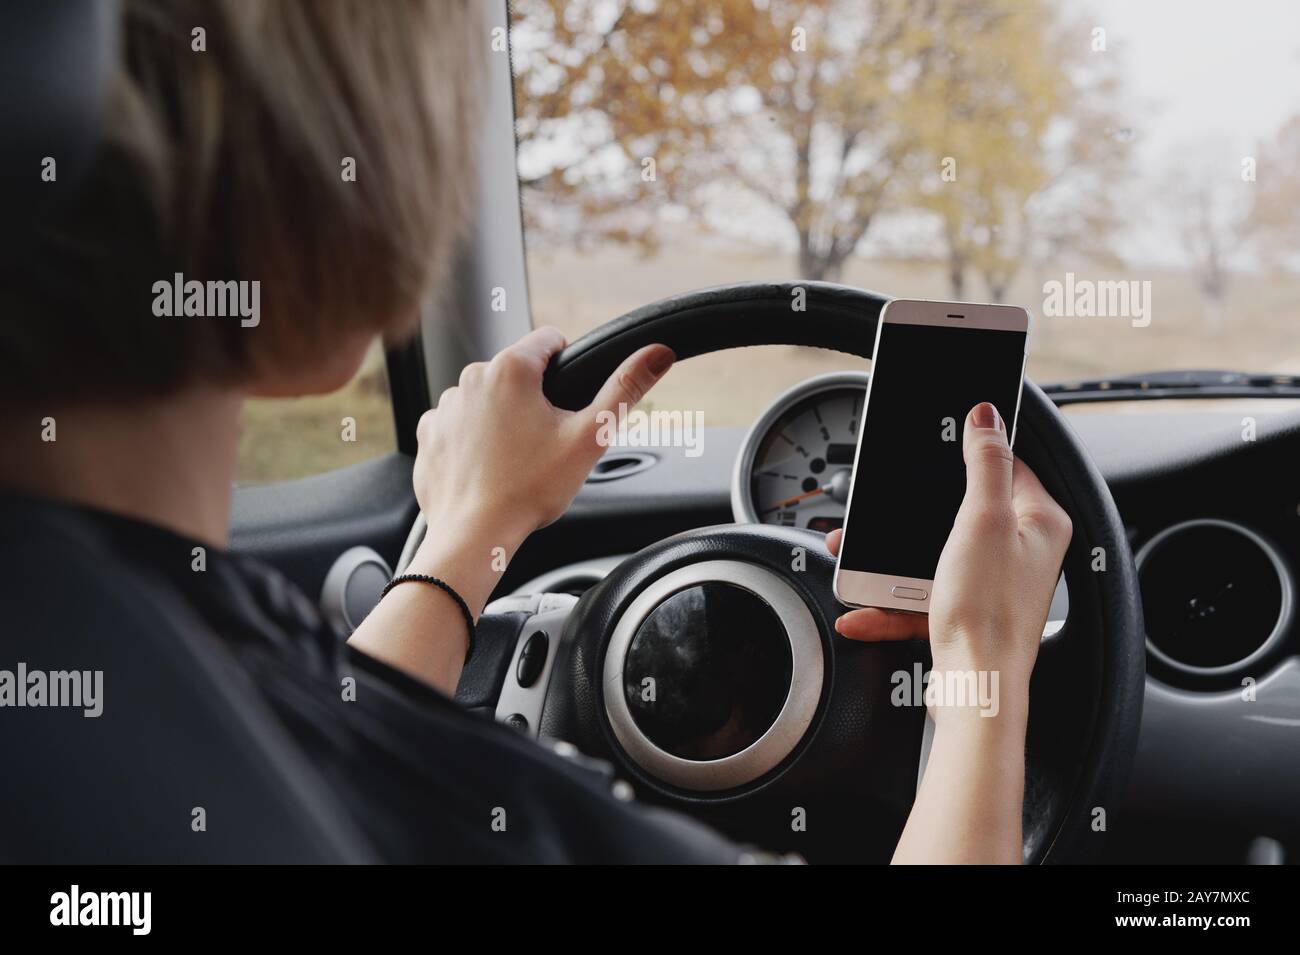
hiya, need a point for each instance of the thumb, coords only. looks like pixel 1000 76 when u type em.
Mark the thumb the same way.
pixel 988 457
pixel 632 379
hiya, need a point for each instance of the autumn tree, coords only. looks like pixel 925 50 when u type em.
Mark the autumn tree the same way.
pixel 824 113
pixel 1022 145
pixel 800 106
pixel 1230 212
pixel 1207 192
pixel 1274 219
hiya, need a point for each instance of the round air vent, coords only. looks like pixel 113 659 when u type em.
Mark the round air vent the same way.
pixel 1217 597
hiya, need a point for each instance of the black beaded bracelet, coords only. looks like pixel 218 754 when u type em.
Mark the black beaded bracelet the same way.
pixel 445 587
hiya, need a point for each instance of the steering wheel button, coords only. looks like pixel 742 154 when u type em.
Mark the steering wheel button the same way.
pixel 909 593
pixel 708 671
pixel 532 658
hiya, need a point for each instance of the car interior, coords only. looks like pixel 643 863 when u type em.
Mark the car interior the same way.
pixel 1165 705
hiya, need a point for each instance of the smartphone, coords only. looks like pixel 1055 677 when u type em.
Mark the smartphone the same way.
pixel 932 362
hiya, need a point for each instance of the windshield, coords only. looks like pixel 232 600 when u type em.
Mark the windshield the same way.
pixel 1130 172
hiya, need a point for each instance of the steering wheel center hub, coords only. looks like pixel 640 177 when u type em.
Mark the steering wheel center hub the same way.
pixel 713 675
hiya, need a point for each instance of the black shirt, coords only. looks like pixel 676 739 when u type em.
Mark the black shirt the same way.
pixel 391 769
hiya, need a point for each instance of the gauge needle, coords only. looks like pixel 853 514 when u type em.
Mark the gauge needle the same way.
pixel 795 500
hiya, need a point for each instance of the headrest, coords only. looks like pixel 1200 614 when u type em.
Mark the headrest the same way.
pixel 56 62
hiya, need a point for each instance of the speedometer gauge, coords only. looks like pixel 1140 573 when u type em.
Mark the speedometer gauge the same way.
pixel 795 465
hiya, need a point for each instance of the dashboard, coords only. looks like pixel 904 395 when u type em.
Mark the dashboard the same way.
pixel 1213 519
pixel 796 463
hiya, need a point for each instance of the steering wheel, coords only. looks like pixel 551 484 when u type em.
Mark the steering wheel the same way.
pixel 707 669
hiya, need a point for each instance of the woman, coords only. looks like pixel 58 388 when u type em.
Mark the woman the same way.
pixel 319 150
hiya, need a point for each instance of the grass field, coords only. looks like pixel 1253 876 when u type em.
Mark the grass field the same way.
pixel 1261 331
pixel 576 292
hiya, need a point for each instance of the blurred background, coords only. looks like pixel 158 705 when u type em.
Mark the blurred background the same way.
pixel 964 149
pixel 1108 139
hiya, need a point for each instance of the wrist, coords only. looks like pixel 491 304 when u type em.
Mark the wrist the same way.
pixel 988 700
pixel 430 582
pixel 992 661
pixel 471 523
pixel 469 555
pixel 997 719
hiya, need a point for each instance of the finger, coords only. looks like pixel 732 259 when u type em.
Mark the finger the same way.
pixel 423 425
pixel 988 459
pixel 833 541
pixel 874 625
pixel 446 398
pixel 632 380
pixel 472 374
pixel 537 347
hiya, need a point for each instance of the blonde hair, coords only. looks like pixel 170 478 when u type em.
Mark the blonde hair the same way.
pixel 227 163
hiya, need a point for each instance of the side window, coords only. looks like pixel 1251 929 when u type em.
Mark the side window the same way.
pixel 286 438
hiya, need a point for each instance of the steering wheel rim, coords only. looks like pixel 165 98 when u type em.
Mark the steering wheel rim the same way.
pixel 1100 646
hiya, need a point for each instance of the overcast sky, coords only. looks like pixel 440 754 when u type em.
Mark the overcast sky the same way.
pixel 1205 82
pixel 1229 67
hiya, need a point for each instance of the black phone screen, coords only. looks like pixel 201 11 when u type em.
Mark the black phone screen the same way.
pixel 911 477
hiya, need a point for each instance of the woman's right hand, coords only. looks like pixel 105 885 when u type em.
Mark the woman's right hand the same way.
pixel 995 578
pixel 992 590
